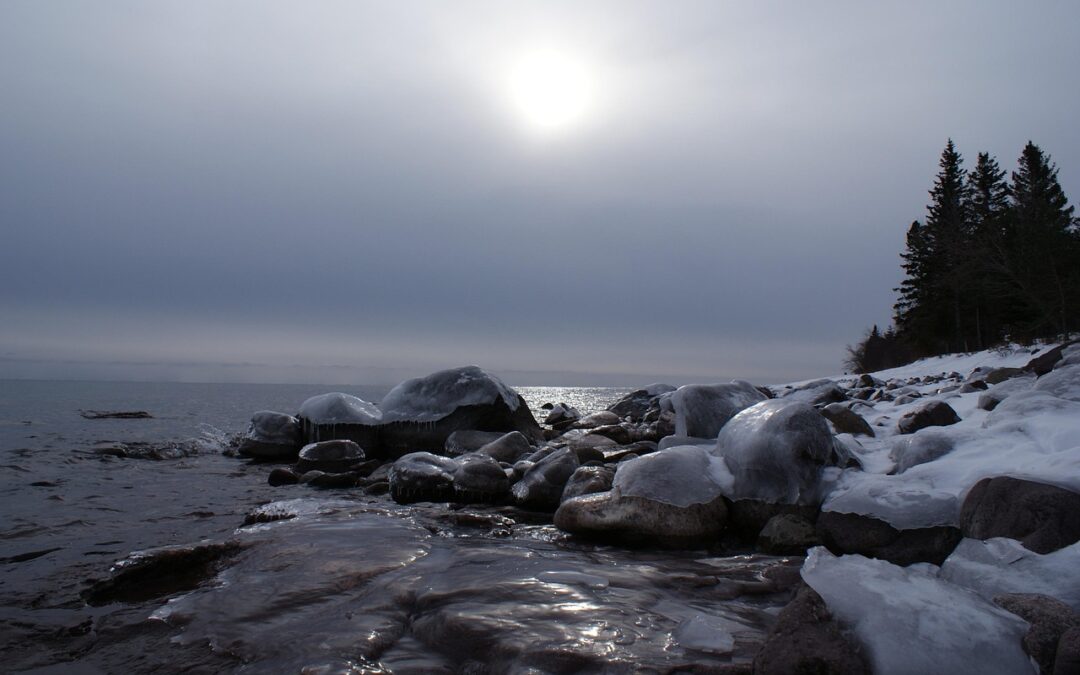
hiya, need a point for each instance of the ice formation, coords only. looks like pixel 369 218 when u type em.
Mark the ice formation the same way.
pixel 1000 565
pixel 338 408
pixel 678 476
pixel 702 409
pixel 430 398
pixel 910 621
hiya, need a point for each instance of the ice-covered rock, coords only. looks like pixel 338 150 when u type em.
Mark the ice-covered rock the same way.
pixel 919 448
pixel 996 566
pixel 338 408
pixel 587 480
pixel 854 533
pixel 818 393
pixel 776 450
pixel 469 440
pixel 562 415
pixel 422 476
pixel 1062 382
pixel 846 421
pixel 670 496
pixel 507 448
pixel 478 478
pixel 701 410
pixel 272 436
pixel 635 404
pixel 910 621
pixel 999 392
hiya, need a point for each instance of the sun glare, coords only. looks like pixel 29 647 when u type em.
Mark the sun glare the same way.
pixel 551 91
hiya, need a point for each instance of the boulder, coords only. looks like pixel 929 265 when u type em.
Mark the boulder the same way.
pixel 1042 517
pixel 844 533
pixel 787 534
pixel 281 476
pixel 469 440
pixel 329 456
pixel 541 486
pixel 635 404
pixel 1049 617
pixel 846 421
pixel 1067 659
pixel 806 639
pixel 919 448
pixel 322 479
pixel 748 517
pixel 272 436
pixel 666 498
pixel 562 415
pixel 929 414
pixel 479 479
pixel 818 393
pixel 618 433
pixel 420 414
pixel 597 419
pixel 776 450
pixel 999 392
pixel 1044 363
pixel 336 416
pixel 1063 382
pixel 587 480
pixel 422 477
pixel 999 375
pixel 701 410
pixel 507 448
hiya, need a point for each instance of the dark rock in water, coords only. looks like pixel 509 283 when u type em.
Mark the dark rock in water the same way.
pixel 587 480
pixel 855 533
pixel 322 479
pixel 846 421
pixel 701 410
pixel 507 448
pixel 160 572
pixel 787 534
pixel 269 513
pixel 149 451
pixel 115 415
pixel 272 436
pixel 920 448
pixel 422 476
pixel 776 451
pixel 1049 617
pixel 1067 659
pixel 478 478
pixel 562 415
pixel 541 487
pixel 748 517
pixel 666 498
pixel 1044 518
pixel 806 640
pixel 469 440
pixel 930 414
pixel 329 456
pixel 281 476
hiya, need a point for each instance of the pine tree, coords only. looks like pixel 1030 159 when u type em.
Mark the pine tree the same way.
pixel 1044 250
pixel 987 209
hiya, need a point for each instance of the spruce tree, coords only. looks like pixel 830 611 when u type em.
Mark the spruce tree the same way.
pixel 1044 253
pixel 987 210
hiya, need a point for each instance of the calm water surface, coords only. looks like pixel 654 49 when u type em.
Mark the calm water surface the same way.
pixel 351 584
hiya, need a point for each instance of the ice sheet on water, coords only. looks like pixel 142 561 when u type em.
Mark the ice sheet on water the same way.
pixel 430 398
pixel 1000 565
pixel 679 476
pixel 910 621
pixel 338 408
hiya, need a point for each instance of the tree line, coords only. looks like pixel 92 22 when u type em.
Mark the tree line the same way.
pixel 994 260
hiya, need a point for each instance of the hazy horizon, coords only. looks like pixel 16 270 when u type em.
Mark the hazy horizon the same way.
pixel 610 194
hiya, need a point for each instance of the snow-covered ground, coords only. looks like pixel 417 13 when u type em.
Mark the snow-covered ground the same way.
pixel 929 619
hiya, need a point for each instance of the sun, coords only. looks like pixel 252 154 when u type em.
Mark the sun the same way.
pixel 551 91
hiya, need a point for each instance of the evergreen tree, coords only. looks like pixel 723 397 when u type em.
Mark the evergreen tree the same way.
pixel 1043 248
pixel 987 210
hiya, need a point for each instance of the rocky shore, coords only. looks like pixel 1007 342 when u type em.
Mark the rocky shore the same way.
pixel 947 497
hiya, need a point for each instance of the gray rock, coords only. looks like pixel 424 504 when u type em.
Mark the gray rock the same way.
pixel 845 533
pixel 618 433
pixel 603 418
pixel 1044 518
pixel 930 414
pixel 787 534
pixel 846 421
pixel 587 480
pixel 507 448
pixel 282 476
pixel 329 456
pixel 422 476
pixel 1049 617
pixel 807 640
pixel 1067 659
pixel 1044 363
pixel 748 517
pixel 562 415
pixel 541 486
pixel 478 478
pixel 272 436
pixel 924 446
pixel 469 440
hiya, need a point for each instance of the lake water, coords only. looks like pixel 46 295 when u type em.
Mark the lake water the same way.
pixel 354 583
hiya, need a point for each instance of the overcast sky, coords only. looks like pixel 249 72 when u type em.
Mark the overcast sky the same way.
pixel 351 192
